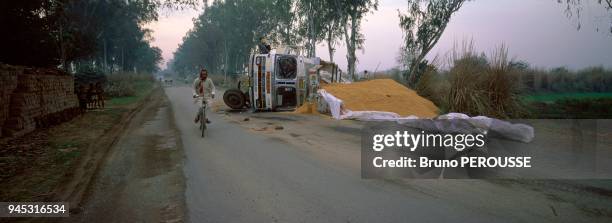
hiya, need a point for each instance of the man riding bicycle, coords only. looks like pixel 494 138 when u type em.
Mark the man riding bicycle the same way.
pixel 204 89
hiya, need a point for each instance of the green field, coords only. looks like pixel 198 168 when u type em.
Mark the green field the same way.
pixel 141 87
pixel 551 97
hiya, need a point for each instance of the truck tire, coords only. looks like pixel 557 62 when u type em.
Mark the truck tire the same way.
pixel 234 99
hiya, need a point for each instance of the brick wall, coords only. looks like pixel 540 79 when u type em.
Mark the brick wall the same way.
pixel 34 98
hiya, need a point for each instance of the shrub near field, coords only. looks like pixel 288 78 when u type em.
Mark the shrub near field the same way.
pixel 475 84
pixel 125 84
pixel 561 93
pixel 495 86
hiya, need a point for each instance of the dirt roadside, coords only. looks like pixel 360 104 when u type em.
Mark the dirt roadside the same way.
pixel 74 189
pixel 54 163
pixel 60 163
pixel 141 178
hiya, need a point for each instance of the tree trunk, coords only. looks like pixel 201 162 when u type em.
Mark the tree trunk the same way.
pixel 105 62
pixel 312 37
pixel 331 50
pixel 225 59
pixel 122 59
pixel 351 65
pixel 62 47
pixel 330 44
pixel 351 45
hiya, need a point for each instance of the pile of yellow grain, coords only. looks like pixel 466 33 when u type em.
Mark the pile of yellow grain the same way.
pixel 382 95
pixel 307 108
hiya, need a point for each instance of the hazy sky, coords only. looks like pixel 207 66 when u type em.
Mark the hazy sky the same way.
pixel 536 31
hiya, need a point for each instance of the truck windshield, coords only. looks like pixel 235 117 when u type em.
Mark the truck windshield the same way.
pixel 287 68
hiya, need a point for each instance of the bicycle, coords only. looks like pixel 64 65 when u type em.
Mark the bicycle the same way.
pixel 202 115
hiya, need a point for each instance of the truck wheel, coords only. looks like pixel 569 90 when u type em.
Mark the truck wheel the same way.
pixel 234 98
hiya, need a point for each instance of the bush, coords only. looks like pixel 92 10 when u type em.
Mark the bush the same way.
pixel 494 85
pixel 89 75
pixel 476 85
pixel 434 86
pixel 124 84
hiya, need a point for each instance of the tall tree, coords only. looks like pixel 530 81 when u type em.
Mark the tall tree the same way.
pixel 63 32
pixel 574 9
pixel 26 26
pixel 227 32
pixel 286 16
pixel 423 25
pixel 351 13
pixel 332 28
pixel 319 20
pixel 314 16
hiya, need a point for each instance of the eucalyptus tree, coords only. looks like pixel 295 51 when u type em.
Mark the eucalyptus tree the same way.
pixel 332 28
pixel 286 17
pixel 574 9
pixel 311 20
pixel 320 20
pixel 227 32
pixel 423 25
pixel 351 13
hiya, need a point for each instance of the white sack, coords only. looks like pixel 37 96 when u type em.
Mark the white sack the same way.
pixel 477 124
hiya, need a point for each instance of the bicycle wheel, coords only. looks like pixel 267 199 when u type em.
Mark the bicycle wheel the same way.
pixel 203 121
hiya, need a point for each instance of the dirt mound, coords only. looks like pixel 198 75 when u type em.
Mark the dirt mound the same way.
pixel 382 95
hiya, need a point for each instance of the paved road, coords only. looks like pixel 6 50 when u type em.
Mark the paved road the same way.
pixel 233 175
pixel 308 172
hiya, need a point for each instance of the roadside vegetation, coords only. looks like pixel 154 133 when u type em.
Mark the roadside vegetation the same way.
pixel 226 32
pixel 553 97
pixel 127 88
pixel 493 85
pixel 110 34
pixel 475 84
pixel 36 165
pixel 98 42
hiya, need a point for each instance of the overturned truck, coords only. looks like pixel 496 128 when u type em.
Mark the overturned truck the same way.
pixel 281 81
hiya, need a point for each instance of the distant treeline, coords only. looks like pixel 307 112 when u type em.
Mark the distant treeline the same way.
pixel 228 31
pixel 593 79
pixel 105 34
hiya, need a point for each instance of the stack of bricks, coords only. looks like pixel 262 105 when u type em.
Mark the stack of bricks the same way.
pixel 8 83
pixel 41 97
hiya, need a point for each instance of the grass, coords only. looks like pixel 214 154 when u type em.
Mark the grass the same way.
pixel 552 97
pixel 141 87
pixel 40 161
pixel 599 108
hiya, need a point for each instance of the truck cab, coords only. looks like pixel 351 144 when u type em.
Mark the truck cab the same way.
pixel 279 82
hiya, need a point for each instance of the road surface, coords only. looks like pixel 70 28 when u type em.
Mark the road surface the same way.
pixel 234 175
pixel 238 175
pixel 285 167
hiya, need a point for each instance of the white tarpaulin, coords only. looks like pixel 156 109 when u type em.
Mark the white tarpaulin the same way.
pixel 339 112
pixel 481 124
